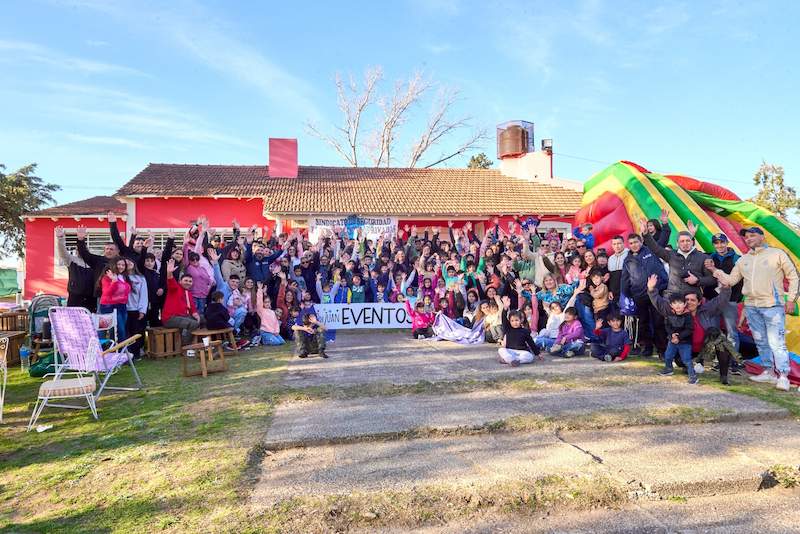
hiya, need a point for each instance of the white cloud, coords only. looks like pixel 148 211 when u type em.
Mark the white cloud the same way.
pixel 205 36
pixel 24 51
pixel 100 140
pixel 439 48
pixel 120 111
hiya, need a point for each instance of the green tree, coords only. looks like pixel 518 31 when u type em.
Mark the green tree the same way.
pixel 20 192
pixel 773 193
pixel 479 161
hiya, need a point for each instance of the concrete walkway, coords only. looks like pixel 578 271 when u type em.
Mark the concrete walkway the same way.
pixel 455 438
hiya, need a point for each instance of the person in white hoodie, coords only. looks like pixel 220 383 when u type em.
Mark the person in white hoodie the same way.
pixel 137 307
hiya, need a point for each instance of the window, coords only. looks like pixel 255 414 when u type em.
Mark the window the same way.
pixel 96 238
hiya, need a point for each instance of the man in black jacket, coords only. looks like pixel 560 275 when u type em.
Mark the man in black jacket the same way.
pixel 687 271
pixel 134 250
pixel 97 263
pixel 639 265
pixel 80 284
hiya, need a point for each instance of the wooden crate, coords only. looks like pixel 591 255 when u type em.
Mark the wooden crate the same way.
pixel 163 342
pixel 15 341
pixel 14 321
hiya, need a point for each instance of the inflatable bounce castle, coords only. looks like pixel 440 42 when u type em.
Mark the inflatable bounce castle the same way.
pixel 617 198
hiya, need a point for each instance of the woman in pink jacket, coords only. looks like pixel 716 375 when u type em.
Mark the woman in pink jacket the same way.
pixel 115 288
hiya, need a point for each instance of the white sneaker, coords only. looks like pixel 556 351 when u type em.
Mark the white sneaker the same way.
pixel 698 368
pixel 765 376
pixel 782 383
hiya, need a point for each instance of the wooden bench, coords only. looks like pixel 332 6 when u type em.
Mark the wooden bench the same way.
pixel 163 342
pixel 205 355
pixel 223 334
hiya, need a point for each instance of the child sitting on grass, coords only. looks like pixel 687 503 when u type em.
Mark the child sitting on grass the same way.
pixel 421 321
pixel 679 325
pixel 547 335
pixel 615 343
pixel 569 341
pixel 517 344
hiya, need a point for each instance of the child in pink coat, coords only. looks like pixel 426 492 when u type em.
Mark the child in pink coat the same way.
pixel 421 321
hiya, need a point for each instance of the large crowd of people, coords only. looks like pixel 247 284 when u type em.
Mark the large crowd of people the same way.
pixel 529 291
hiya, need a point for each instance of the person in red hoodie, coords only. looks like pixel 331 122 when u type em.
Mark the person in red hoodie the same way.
pixel 114 290
pixel 421 322
pixel 179 307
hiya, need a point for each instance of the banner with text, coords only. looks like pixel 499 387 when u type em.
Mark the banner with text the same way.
pixel 361 316
pixel 372 227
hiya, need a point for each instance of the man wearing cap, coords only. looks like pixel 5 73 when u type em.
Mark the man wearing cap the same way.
pixel 724 257
pixel 763 270
pixel 687 271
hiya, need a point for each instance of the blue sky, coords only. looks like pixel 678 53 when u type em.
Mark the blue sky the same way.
pixel 93 90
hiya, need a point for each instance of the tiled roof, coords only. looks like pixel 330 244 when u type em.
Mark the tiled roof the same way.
pixel 362 190
pixel 91 206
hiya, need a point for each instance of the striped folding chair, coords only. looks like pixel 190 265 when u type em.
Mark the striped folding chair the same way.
pixel 3 371
pixel 74 334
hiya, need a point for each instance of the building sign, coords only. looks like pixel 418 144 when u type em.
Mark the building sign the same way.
pixel 363 316
pixel 372 227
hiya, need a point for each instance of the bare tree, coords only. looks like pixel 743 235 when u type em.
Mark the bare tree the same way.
pixel 440 125
pixel 388 113
pixel 352 102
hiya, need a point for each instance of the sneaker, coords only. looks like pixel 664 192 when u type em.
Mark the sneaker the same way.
pixel 514 363
pixel 255 341
pixel 698 368
pixel 765 376
pixel 303 355
pixel 782 383
pixel 736 371
pixel 647 351
pixel 694 380
pixel 191 354
pixel 242 343
pixel 227 347
pixel 608 358
pixel 569 354
pixel 555 348
pixel 666 372
pixel 323 355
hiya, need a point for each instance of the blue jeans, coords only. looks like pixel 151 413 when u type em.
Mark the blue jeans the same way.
pixel 685 352
pixel 730 313
pixel 268 338
pixel 769 334
pixel 586 317
pixel 122 318
pixel 200 303
pixel 238 317
pixel 544 342
pixel 574 346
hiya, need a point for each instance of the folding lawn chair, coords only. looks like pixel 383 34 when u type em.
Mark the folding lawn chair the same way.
pixel 77 348
pixel 3 371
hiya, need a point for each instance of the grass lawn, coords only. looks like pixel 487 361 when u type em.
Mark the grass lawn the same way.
pixel 178 456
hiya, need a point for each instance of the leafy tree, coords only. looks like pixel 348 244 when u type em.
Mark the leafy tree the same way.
pixel 20 192
pixel 479 161
pixel 773 193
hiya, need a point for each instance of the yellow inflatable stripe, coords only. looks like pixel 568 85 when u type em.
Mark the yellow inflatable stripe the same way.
pixel 613 184
pixel 702 218
pixel 659 199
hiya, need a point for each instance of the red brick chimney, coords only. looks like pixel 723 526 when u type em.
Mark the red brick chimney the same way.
pixel 282 158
